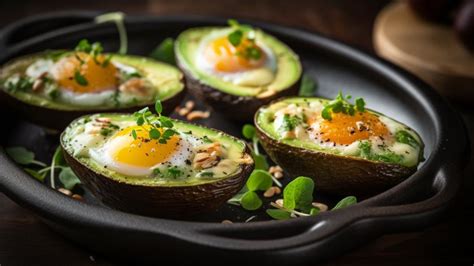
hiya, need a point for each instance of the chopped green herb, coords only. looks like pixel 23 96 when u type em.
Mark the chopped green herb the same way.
pixel 134 134
pixel 206 139
pixel 129 75
pixel 157 172
pixel 174 172
pixel 80 79
pixel 365 148
pixel 290 122
pixel 341 104
pixel 403 136
pixel 360 104
pixel 207 174
pixel 235 37
pixel 18 83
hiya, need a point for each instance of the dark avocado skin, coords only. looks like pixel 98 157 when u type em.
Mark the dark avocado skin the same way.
pixel 59 119
pixel 160 201
pixel 334 174
pixel 237 108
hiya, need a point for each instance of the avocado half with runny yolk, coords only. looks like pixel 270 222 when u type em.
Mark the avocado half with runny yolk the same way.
pixel 360 153
pixel 53 88
pixel 195 171
pixel 236 80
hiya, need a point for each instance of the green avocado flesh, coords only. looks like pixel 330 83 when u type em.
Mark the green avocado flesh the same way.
pixel 93 150
pixel 403 146
pixel 162 81
pixel 189 47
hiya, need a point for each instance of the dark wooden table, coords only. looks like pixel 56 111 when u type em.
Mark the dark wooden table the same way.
pixel 24 240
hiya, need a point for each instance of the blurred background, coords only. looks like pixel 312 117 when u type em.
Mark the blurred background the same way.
pixel 422 40
pixel 329 17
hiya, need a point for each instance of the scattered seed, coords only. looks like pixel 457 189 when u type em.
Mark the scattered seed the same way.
pixel 66 192
pixel 321 206
pixel 38 84
pixel 227 222
pixel 269 192
pixel 278 175
pixel 274 169
pixel 277 190
pixel 197 115
pixel 189 105
pixel 279 202
pixel 135 85
pixel 183 111
pixel 77 197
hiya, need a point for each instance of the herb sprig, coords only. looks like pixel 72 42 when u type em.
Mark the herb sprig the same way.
pixel 298 198
pixel 238 37
pixel 341 105
pixel 26 158
pixel 259 180
pixel 165 52
pixel 159 127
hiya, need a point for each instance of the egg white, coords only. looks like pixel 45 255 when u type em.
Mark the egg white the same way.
pixel 312 132
pixel 105 97
pixel 105 156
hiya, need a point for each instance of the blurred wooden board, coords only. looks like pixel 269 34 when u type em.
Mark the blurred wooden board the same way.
pixel 430 51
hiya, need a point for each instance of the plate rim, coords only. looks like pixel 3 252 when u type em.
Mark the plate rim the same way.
pixel 58 208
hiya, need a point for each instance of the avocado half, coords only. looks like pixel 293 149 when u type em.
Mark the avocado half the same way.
pixel 56 115
pixel 332 172
pixel 154 196
pixel 236 102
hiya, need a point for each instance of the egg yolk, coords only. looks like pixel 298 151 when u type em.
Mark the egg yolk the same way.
pixel 225 56
pixel 142 151
pixel 99 77
pixel 345 129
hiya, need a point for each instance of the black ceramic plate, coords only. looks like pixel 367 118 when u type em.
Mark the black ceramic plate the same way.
pixel 412 204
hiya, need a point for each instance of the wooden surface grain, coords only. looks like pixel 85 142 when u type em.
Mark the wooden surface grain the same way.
pixel 24 240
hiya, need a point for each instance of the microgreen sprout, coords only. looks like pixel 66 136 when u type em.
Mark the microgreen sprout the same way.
pixel 27 158
pixel 298 198
pixel 159 127
pixel 118 18
pixel 341 105
pixel 259 180
pixel 165 52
